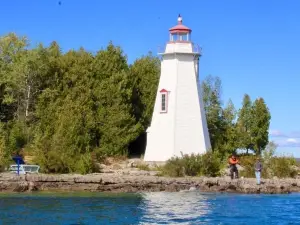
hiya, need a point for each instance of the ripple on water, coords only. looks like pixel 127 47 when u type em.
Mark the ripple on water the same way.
pixel 190 207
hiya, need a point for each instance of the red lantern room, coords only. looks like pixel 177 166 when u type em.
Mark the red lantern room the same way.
pixel 180 33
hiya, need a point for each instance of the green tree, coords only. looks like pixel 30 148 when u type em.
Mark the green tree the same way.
pixel 244 124
pixel 211 93
pixel 145 73
pixel 113 93
pixel 260 125
pixel 230 136
pixel 66 119
pixel 14 93
pixel 12 78
pixel 65 108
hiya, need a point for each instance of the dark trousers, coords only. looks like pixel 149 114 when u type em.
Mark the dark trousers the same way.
pixel 233 169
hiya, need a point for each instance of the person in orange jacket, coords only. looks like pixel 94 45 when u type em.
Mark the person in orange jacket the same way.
pixel 233 161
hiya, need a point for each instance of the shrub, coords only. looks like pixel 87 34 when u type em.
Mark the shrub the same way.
pixel 208 164
pixel 247 162
pixel 282 167
pixel 191 164
pixel 272 166
pixel 211 164
pixel 173 167
pixel 56 162
pixel 12 140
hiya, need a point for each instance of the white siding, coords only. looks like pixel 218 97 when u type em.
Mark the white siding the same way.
pixel 160 137
pixel 183 128
pixel 189 131
pixel 179 48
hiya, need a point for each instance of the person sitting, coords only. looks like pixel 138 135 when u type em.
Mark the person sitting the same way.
pixel 233 161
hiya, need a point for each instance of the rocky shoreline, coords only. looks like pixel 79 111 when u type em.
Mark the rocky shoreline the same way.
pixel 141 181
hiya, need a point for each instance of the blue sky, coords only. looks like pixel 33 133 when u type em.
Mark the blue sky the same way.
pixel 253 46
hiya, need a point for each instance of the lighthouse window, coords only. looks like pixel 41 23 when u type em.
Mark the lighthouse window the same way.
pixel 183 37
pixel 174 37
pixel 163 102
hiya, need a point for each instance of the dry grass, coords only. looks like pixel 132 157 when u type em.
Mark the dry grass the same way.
pixel 114 160
pixel 143 167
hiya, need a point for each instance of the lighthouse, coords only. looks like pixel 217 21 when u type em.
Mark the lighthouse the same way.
pixel 178 124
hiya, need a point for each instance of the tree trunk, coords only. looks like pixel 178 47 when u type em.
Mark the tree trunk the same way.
pixel 27 101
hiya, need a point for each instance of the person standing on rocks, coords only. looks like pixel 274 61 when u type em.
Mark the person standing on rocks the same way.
pixel 233 161
pixel 258 168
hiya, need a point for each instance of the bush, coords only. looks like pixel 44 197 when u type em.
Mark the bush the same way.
pixel 173 167
pixel 208 164
pixel 280 167
pixel 247 162
pixel 56 162
pixel 191 164
pixel 211 164
pixel 12 140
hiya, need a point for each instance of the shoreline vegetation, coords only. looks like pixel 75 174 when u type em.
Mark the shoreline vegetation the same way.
pixel 141 182
pixel 70 112
pixel 205 173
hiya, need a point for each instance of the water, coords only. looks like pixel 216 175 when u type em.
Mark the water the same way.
pixel 148 208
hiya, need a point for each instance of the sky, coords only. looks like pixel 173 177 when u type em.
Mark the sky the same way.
pixel 252 45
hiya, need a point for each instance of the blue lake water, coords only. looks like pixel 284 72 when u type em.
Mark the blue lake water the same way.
pixel 148 208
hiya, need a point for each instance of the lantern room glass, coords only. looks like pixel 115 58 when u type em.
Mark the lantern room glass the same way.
pixel 180 37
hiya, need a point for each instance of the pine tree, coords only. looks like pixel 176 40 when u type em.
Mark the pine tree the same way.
pixel 244 124
pixel 211 94
pixel 144 73
pixel 230 138
pixel 66 108
pixel 260 125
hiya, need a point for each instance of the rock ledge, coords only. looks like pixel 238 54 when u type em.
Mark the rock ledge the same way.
pixel 138 182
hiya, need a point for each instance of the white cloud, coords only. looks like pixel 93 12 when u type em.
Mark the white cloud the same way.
pixel 292 140
pixel 285 140
pixel 288 142
pixel 276 133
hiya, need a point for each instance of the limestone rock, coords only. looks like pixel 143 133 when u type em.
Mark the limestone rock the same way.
pixel 134 180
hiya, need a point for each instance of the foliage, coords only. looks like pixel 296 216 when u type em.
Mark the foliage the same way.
pixel 211 164
pixel 145 76
pixel 173 167
pixel 3 149
pixel 260 125
pixel 208 164
pixel 279 166
pixel 248 162
pixel 74 108
pixel 244 124
pixel 231 130
pixel 230 136
pixel 211 93
pixel 67 107
pixel 282 167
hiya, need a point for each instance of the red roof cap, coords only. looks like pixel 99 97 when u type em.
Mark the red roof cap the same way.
pixel 179 28
pixel 163 90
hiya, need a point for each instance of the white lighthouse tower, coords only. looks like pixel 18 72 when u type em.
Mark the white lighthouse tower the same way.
pixel 178 122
